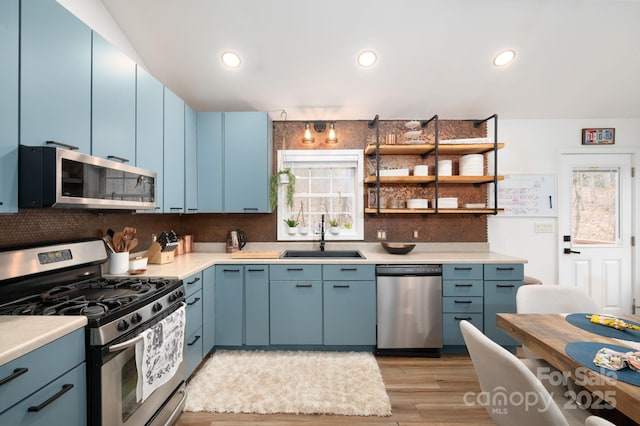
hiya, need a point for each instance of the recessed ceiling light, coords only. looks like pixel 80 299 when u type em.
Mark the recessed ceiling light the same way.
pixel 230 59
pixel 367 58
pixel 503 58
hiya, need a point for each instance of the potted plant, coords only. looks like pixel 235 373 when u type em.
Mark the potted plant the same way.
pixel 285 177
pixel 335 226
pixel 303 229
pixel 292 226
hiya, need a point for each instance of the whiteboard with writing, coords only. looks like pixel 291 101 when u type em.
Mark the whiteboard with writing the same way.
pixel 527 195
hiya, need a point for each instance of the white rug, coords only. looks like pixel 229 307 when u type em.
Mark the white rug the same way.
pixel 300 382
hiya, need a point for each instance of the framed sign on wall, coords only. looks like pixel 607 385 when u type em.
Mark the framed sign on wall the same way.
pixel 603 136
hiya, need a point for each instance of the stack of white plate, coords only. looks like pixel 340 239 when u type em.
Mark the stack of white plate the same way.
pixel 445 168
pixel 446 203
pixel 472 165
pixel 417 203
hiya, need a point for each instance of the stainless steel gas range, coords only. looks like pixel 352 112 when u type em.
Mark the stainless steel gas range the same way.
pixel 65 279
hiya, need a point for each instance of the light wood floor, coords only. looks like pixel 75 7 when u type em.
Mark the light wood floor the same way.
pixel 423 391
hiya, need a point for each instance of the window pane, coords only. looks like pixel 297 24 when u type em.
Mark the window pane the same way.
pixel 594 211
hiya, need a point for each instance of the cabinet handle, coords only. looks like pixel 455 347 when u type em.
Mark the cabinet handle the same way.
pixel 194 341
pixel 175 208
pixel 197 299
pixel 1 203
pixel 505 269
pixel 459 268
pixel 464 285
pixel 295 269
pixel 505 285
pixel 348 269
pixel 65 388
pixel 16 373
pixel 115 157
pixel 64 145
pixel 195 280
pixel 250 209
pixel 462 301
pixel 463 318
pixel 304 285
pixel 340 286
pixel 231 270
pixel 255 270
pixel 192 210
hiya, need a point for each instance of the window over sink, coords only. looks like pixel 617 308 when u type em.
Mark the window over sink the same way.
pixel 329 183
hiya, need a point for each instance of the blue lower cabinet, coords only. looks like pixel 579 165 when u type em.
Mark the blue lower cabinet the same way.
pixel 193 312
pixel 208 310
pixel 256 320
pixel 229 300
pixel 499 297
pixel 295 312
pixel 61 402
pixel 451 334
pixel 193 351
pixel 349 312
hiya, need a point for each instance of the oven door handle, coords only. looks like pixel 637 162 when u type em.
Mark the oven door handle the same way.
pixel 125 345
pixel 131 342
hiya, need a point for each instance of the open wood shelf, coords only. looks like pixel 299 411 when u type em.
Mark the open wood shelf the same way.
pixel 432 211
pixel 422 149
pixel 431 179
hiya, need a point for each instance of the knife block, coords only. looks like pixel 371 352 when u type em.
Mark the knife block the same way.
pixel 157 256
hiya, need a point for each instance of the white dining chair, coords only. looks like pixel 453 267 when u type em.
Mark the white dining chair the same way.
pixel 597 421
pixel 513 395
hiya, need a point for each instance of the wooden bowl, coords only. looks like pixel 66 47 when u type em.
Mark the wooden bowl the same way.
pixel 397 248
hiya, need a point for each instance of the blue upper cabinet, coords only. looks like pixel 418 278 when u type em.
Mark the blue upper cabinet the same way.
pixel 210 167
pixel 173 153
pixel 190 159
pixel 113 101
pixel 247 162
pixel 9 24
pixel 150 128
pixel 55 76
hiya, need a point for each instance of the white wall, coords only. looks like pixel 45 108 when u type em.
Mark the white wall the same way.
pixel 534 146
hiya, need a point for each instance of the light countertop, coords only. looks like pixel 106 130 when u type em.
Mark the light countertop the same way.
pixel 207 255
pixel 20 335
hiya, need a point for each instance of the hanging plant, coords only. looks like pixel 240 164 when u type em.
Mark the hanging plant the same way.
pixel 291 187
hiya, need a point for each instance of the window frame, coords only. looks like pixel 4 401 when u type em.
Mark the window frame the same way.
pixel 325 158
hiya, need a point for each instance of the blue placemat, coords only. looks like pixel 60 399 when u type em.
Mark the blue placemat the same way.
pixel 584 352
pixel 581 321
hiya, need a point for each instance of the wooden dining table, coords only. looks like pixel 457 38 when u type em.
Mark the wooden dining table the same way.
pixel 548 334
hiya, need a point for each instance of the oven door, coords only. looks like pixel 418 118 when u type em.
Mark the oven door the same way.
pixel 119 380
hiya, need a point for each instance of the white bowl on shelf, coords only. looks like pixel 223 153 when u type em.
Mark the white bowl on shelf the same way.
pixel 413 124
pixel 421 170
pixel 412 134
pixel 394 172
pixel 446 203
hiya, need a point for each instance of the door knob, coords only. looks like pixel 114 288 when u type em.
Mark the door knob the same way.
pixel 569 251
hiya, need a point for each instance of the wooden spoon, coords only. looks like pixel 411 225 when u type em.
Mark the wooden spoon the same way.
pixel 118 243
pixel 131 244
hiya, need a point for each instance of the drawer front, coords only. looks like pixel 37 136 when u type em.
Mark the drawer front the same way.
pixel 451 334
pixel 194 312
pixel 462 304
pixel 466 271
pixel 193 283
pixel 68 405
pixel 42 365
pixel 506 271
pixel 193 351
pixel 349 313
pixel 462 287
pixel 501 292
pixel 295 272
pixel 348 272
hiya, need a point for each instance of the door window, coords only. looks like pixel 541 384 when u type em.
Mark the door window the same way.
pixel 595 207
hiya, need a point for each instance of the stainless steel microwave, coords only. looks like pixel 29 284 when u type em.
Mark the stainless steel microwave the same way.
pixel 56 177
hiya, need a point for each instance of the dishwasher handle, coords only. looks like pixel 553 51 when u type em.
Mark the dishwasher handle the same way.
pixel 408 270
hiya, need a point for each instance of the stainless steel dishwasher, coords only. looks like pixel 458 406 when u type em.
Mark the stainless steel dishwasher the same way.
pixel 409 309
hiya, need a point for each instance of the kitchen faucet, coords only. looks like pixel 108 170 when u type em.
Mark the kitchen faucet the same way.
pixel 322 234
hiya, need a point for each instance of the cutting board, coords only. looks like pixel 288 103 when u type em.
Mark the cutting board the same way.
pixel 244 254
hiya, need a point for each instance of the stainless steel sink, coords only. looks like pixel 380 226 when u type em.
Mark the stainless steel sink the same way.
pixel 349 254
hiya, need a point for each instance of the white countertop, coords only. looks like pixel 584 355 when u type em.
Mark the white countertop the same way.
pixel 20 335
pixel 213 254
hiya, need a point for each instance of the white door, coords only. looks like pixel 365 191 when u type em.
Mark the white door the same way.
pixel 595 208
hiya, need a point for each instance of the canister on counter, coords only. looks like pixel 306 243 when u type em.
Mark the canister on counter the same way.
pixel 188 243
pixel 180 247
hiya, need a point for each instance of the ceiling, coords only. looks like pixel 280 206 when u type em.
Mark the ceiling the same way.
pixel 575 58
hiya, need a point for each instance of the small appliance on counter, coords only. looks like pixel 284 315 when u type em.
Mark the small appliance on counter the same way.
pixel 236 240
pixel 162 249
